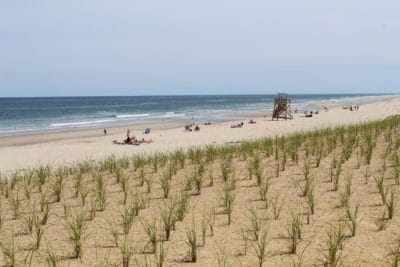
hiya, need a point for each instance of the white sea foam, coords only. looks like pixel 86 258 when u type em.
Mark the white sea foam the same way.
pixel 172 115
pixel 5 132
pixel 123 116
pixel 79 123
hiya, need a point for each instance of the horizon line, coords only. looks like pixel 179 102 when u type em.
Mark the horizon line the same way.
pixel 76 96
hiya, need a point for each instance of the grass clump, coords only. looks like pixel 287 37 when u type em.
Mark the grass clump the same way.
pixel 311 200
pixel 277 205
pixel 382 189
pixel 168 217
pixel 294 232
pixel 57 187
pixel 151 232
pixel 37 234
pixel 227 201
pixel 50 257
pixel 182 205
pixel 382 222
pixel 76 229
pixel 15 204
pixel 165 185
pixel 191 240
pixel 332 253
pixel 264 188
pixel 127 251
pixel 352 216
pixel 393 257
pixel 390 204
pixel 9 249
pixel 128 217
pixel 260 247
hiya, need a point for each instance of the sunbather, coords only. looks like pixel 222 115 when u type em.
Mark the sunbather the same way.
pixel 187 128
pixel 239 125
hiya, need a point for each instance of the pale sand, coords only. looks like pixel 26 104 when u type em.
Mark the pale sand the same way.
pixel 57 148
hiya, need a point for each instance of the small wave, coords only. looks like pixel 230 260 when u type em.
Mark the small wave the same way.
pixel 5 132
pixel 80 123
pixel 123 116
pixel 172 115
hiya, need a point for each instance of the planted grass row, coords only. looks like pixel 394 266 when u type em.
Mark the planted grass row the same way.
pixel 53 185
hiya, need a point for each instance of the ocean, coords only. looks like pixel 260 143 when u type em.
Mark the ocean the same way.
pixel 49 114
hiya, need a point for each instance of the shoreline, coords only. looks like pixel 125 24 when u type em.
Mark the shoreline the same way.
pixel 27 151
pixel 231 114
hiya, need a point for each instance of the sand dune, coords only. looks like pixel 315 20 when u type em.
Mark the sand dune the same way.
pixel 323 198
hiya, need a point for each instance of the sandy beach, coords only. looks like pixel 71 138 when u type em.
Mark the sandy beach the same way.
pixel 28 151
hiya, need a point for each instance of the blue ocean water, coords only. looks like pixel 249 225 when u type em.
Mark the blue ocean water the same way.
pixel 44 114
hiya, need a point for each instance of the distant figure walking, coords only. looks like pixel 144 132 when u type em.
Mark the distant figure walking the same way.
pixel 105 131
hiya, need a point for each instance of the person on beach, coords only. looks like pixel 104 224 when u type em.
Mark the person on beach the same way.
pixel 239 125
pixel 105 131
pixel 128 139
pixel 133 141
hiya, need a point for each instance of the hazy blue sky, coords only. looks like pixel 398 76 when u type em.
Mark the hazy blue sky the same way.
pixel 96 47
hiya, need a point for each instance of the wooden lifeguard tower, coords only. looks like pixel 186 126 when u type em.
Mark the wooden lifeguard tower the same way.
pixel 282 107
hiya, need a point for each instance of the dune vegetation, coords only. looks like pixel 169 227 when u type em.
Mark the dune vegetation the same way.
pixel 327 197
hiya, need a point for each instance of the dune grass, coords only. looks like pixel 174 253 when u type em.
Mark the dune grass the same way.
pixel 255 198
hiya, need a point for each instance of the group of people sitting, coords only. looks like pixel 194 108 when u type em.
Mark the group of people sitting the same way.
pixel 132 140
pixel 310 114
pixel 239 125
pixel 188 128
pixel 351 108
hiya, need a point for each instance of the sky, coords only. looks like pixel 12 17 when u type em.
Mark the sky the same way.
pixel 98 47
